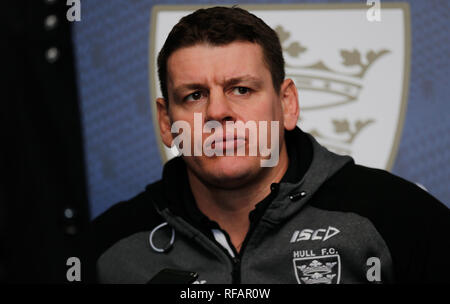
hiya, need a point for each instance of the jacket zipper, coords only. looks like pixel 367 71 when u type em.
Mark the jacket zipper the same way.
pixel 236 275
pixel 235 260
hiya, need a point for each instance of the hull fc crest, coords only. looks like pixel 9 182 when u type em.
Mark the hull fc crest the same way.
pixel 318 269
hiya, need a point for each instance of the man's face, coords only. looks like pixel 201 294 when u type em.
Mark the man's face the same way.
pixel 223 83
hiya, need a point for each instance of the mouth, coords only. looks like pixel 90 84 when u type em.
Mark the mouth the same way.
pixel 228 143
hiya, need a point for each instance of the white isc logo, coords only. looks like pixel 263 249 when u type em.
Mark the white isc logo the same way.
pixel 314 235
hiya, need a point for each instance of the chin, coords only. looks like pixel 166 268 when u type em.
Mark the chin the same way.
pixel 230 171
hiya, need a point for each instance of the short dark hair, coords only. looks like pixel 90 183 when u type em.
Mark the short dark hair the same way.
pixel 221 26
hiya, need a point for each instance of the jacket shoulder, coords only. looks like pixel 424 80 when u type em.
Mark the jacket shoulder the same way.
pixel 124 219
pixel 367 189
pixel 411 221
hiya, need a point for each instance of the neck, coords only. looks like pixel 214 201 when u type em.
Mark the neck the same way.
pixel 230 208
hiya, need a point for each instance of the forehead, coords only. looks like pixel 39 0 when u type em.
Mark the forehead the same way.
pixel 203 63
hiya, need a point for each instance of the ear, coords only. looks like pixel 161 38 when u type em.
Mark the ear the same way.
pixel 164 122
pixel 289 103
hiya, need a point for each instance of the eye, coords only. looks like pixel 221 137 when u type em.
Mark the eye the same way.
pixel 241 90
pixel 194 96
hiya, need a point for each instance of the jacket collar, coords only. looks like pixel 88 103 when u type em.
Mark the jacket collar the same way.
pixel 310 166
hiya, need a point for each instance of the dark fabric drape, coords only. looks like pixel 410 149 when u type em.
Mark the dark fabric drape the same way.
pixel 44 205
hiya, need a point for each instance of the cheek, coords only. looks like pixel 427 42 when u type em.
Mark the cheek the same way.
pixel 265 110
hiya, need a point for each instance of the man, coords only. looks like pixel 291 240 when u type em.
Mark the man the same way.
pixel 310 217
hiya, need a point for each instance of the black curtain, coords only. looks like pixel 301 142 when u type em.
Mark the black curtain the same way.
pixel 44 206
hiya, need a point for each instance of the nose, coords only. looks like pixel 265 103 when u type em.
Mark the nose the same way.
pixel 218 107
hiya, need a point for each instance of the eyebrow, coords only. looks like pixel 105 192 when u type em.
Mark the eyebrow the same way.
pixel 226 83
pixel 245 78
pixel 189 86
